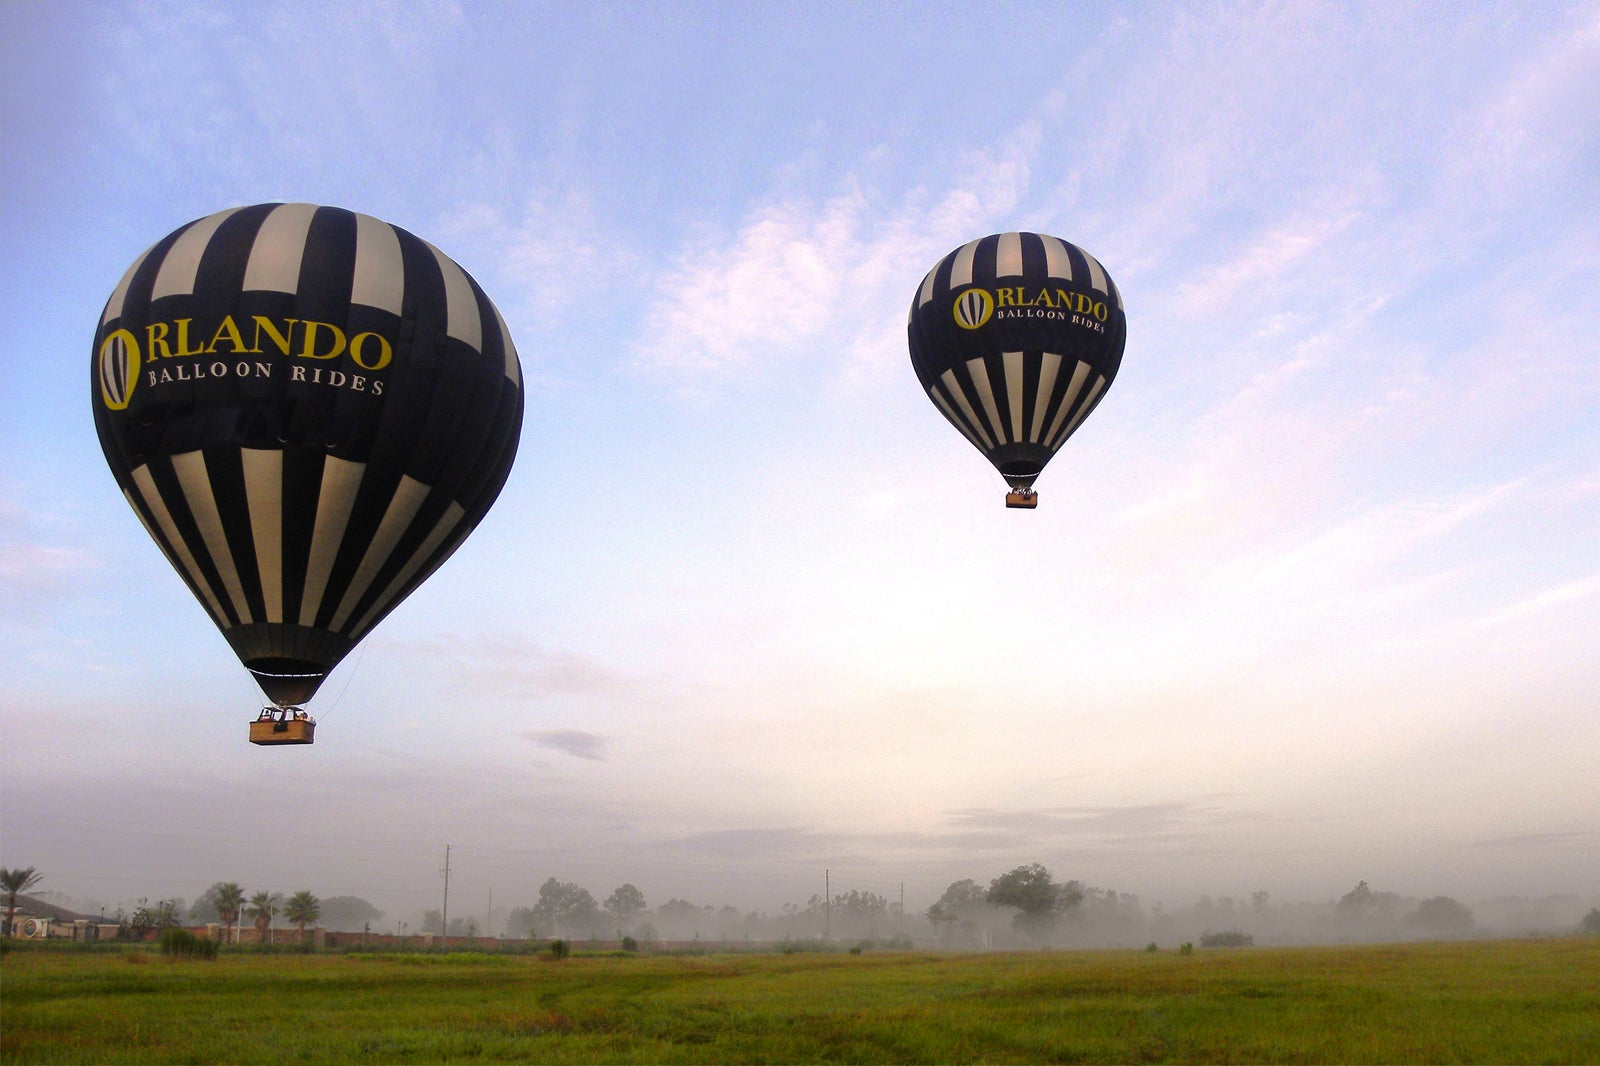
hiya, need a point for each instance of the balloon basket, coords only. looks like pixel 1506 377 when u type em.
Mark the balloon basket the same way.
pixel 277 725
pixel 1030 500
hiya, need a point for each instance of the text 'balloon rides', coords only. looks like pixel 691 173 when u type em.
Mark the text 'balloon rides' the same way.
pixel 310 410
pixel 1016 337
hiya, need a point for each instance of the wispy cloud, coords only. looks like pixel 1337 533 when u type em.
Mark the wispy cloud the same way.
pixel 796 270
pixel 512 666
pixel 574 742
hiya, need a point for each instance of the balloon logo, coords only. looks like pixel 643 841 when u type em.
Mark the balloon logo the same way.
pixel 1015 337
pixel 309 409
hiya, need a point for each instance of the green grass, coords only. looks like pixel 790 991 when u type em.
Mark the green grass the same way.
pixel 1486 1001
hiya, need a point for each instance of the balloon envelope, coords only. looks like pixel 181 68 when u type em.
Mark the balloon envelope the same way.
pixel 1016 337
pixel 309 409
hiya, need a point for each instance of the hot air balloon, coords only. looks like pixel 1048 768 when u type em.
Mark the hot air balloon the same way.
pixel 309 409
pixel 1016 337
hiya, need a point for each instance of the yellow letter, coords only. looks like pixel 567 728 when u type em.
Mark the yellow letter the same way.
pixel 310 350
pixel 183 338
pixel 155 335
pixel 280 339
pixel 231 330
pixel 385 351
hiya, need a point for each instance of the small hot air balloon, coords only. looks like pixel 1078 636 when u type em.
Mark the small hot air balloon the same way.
pixel 1016 337
pixel 310 410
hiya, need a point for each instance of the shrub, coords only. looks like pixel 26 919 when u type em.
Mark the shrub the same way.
pixel 182 944
pixel 1591 922
pixel 1230 939
pixel 629 944
pixel 1151 947
pixel 1186 948
pixel 560 949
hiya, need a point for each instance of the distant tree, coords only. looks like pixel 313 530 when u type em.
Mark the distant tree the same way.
pixel 1362 906
pixel 858 913
pixel 220 903
pixel 148 917
pixel 960 902
pixel 1441 916
pixel 348 914
pixel 521 922
pixel 1038 899
pixel 14 883
pixel 565 906
pixel 262 909
pixel 433 922
pixel 302 909
pixel 624 904
pixel 1260 901
pixel 1591 922
pixel 1354 903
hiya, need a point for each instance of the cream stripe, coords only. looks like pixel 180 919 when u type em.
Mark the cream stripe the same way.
pixel 926 294
pixel 182 262
pixel 340 480
pixel 462 320
pixel 452 515
pixel 380 277
pixel 1079 373
pixel 961 270
pixel 513 367
pixel 119 295
pixel 158 507
pixel 1048 368
pixel 263 493
pixel 1014 391
pixel 396 520
pixel 960 396
pixel 1088 402
pixel 1008 256
pixel 1058 264
pixel 978 374
pixel 955 419
pixel 202 499
pixel 1097 273
pixel 279 247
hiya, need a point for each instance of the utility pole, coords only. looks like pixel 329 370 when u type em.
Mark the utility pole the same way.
pixel 444 916
pixel 827 904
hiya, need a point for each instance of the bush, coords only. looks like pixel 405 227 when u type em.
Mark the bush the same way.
pixel 1231 939
pixel 1591 922
pixel 560 949
pixel 629 944
pixel 182 944
pixel 1186 948
pixel 1151 947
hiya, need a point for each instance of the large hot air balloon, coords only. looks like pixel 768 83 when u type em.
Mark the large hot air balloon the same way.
pixel 309 409
pixel 1016 337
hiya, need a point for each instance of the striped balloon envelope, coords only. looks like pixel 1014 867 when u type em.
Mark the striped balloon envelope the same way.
pixel 1015 338
pixel 310 410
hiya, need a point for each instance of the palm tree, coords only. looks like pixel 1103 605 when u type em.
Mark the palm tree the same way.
pixel 14 883
pixel 263 905
pixel 229 899
pixel 301 909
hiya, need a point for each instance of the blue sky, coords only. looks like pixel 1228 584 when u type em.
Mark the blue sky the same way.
pixel 1314 596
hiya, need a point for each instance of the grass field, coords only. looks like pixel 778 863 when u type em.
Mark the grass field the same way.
pixel 1483 1001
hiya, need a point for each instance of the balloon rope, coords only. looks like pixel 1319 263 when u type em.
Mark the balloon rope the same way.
pixel 354 669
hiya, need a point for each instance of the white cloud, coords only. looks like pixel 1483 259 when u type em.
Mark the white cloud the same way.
pixel 828 280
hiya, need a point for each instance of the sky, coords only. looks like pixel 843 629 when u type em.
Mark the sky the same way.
pixel 1312 598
